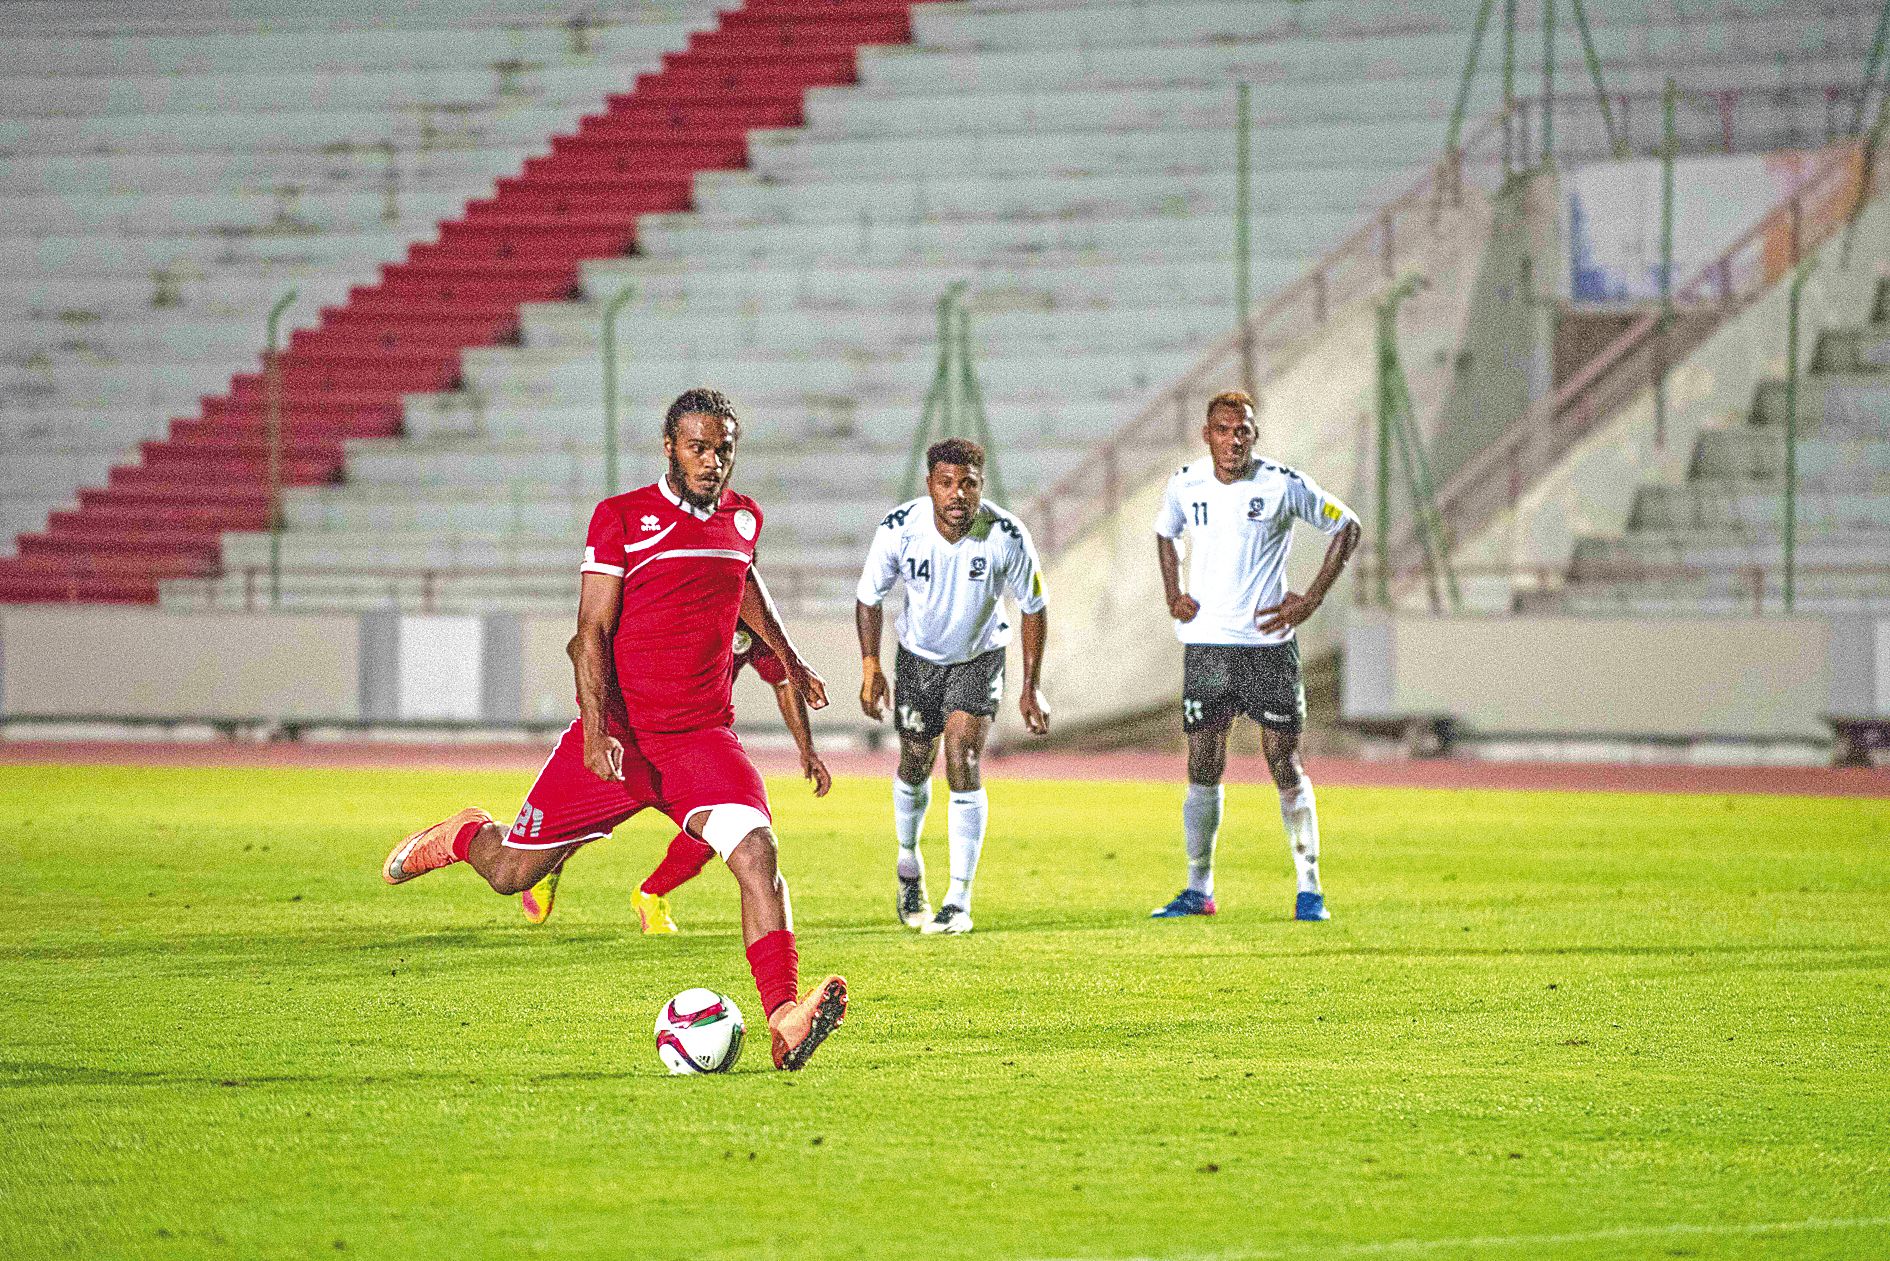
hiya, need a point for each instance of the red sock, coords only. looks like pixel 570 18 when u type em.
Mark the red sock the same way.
pixel 777 968
pixel 686 857
pixel 463 839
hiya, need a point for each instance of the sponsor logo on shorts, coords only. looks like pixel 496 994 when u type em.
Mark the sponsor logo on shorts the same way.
pixel 911 719
pixel 1192 711
pixel 1270 716
pixel 745 523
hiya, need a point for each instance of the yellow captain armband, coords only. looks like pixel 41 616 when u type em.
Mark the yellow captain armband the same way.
pixel 1036 585
pixel 1332 512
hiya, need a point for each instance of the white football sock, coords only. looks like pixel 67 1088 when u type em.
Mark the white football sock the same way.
pixel 964 820
pixel 1200 824
pixel 910 802
pixel 1300 813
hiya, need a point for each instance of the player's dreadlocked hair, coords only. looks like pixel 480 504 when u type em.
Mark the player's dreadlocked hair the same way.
pixel 961 451
pixel 1239 400
pixel 702 402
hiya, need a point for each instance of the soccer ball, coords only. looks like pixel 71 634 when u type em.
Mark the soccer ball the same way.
pixel 699 1031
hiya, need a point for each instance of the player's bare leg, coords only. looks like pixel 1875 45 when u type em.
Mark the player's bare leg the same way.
pixel 798 1025
pixel 472 837
pixel 1200 823
pixel 1300 813
pixel 912 797
pixel 964 751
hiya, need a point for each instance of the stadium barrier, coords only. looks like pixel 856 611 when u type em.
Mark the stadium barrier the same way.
pixel 1632 679
pixel 283 673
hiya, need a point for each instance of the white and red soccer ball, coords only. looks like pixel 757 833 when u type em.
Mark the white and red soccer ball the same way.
pixel 699 1031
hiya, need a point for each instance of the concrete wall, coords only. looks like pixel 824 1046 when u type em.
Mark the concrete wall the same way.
pixel 1674 677
pixel 149 663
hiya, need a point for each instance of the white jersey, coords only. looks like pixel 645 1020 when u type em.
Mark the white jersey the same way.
pixel 1239 535
pixel 954 591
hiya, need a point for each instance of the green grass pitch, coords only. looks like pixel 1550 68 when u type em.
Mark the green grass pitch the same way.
pixel 1541 1025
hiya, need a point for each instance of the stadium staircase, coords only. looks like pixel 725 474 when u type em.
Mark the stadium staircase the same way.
pixel 344 379
pixel 1072 161
pixel 1714 542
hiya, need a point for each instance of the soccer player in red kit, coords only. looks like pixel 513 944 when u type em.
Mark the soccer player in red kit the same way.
pixel 668 570
pixel 686 856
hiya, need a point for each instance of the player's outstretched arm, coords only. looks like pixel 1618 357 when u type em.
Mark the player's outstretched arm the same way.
pixel 600 599
pixel 1181 606
pixel 1296 608
pixel 1035 709
pixel 794 714
pixel 764 619
pixel 868 619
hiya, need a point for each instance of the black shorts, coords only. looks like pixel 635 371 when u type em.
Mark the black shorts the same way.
pixel 925 694
pixel 1258 680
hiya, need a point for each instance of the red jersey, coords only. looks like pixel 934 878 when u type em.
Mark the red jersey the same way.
pixel 683 572
pixel 750 651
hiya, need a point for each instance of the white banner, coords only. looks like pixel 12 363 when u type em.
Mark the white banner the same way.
pixel 1611 216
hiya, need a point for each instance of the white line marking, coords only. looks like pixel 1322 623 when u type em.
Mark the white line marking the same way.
pixel 1417 1247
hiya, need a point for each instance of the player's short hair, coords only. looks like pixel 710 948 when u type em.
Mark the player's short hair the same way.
pixel 961 451
pixel 1239 400
pixel 699 401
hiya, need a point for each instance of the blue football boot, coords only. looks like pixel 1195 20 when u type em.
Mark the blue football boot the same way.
pixel 1311 906
pixel 1187 902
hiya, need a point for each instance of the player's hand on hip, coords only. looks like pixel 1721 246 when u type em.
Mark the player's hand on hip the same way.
pixel 815 769
pixel 873 692
pixel 811 686
pixel 1285 615
pixel 1036 711
pixel 1183 608
pixel 603 755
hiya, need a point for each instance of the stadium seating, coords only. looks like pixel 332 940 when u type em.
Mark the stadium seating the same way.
pixel 1716 541
pixel 1072 162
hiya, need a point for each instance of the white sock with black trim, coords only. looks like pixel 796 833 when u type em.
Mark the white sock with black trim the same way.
pixel 910 802
pixel 965 826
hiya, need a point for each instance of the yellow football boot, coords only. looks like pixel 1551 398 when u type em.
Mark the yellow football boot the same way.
pixel 538 900
pixel 653 910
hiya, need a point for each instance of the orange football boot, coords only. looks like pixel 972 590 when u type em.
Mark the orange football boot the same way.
pixel 429 848
pixel 800 1027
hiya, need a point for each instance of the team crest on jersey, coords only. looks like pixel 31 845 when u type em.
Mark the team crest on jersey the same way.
pixel 743 641
pixel 977 568
pixel 745 523
pixel 1256 508
pixel 649 522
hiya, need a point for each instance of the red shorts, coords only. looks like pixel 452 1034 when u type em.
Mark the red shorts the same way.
pixel 678 773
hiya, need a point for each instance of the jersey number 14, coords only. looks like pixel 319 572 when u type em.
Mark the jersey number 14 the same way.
pixel 918 570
